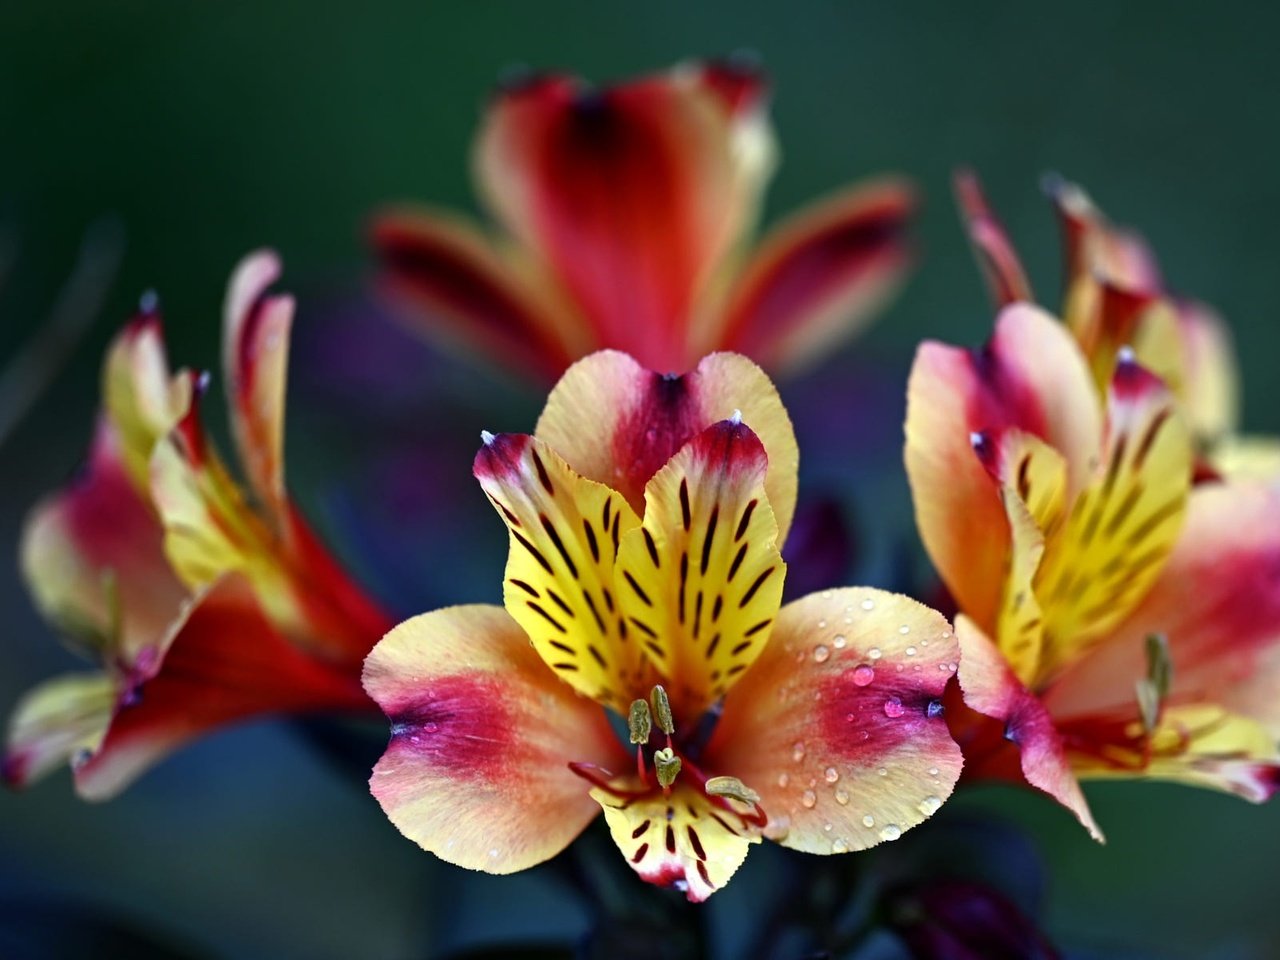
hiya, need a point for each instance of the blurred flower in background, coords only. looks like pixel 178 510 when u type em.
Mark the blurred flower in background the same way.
pixel 1116 297
pixel 1115 619
pixel 625 216
pixel 204 602
pixel 645 520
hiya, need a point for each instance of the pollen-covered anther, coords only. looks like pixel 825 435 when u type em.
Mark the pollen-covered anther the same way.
pixel 639 722
pixel 733 788
pixel 668 766
pixel 662 710
pixel 1152 689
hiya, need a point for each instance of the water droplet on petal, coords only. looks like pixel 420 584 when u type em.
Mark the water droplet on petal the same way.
pixel 783 779
pixel 831 774
pixel 821 653
pixel 863 675
pixel 838 641
pixel 890 831
pixel 842 797
pixel 839 846
pixel 828 826
pixel 893 708
pixel 494 853
pixel 822 624
pixel 868 604
pixel 933 771
pixel 929 805
pixel 797 751
pixel 809 799
pixel 904 629
pixel 873 653
pixel 883 771
pixel 935 709
pixel 911 651
pixel 868 821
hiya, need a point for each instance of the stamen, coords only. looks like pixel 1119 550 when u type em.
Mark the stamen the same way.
pixel 639 722
pixel 668 765
pixel 733 788
pixel 662 710
pixel 1152 689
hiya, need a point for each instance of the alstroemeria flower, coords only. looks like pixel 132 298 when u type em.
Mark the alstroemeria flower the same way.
pixel 1116 620
pixel 624 215
pixel 202 602
pixel 1115 298
pixel 645 520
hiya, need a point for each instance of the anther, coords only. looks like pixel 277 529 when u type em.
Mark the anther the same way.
pixel 639 722
pixel 733 788
pixel 668 765
pixel 662 710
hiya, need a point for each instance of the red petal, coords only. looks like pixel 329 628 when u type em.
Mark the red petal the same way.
pixel 459 288
pixel 820 275
pixel 997 257
pixel 225 664
pixel 630 193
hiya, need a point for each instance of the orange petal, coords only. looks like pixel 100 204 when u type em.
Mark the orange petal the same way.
pixel 618 423
pixel 1123 525
pixel 459 288
pixel 481 737
pixel 565 535
pixel 1030 376
pixel 1217 602
pixel 701 581
pixel 255 356
pixel 682 840
pixel 991 689
pixel 631 193
pixel 1211 380
pixel 92 556
pixel 839 724
pixel 997 258
pixel 820 276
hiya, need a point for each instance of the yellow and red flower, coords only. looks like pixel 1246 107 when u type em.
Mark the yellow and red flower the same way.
pixel 625 213
pixel 1117 620
pixel 1116 297
pixel 203 602
pixel 644 576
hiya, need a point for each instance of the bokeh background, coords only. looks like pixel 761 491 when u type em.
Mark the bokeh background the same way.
pixel 202 131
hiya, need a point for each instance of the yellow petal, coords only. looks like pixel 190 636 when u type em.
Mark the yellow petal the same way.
pixel 685 840
pixel 702 580
pixel 559 585
pixel 59 721
pixel 1123 525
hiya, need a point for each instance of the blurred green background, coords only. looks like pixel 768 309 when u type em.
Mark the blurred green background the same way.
pixel 207 130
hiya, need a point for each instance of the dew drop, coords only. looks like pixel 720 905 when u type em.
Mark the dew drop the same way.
pixel 868 604
pixel 842 797
pixel 935 709
pixel 868 821
pixel 839 641
pixel 883 771
pixel 911 651
pixel 783 779
pixel 822 624
pixel 904 629
pixel 874 653
pixel 863 675
pixel 924 643
pixel 890 831
pixel 494 853
pixel 809 799
pixel 821 653
pixel 933 771
pixel 797 751
pixel 929 805
pixel 81 757
pixel 831 774
pixel 839 846
pixel 893 708
pixel 828 826
pixel 828 594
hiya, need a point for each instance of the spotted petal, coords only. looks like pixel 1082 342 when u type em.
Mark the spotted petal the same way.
pixel 631 193
pixel 1125 522
pixel 701 581
pixel 686 840
pixel 482 733
pixel 1030 376
pixel 990 688
pixel 839 725
pixel 565 536
pixel 618 423
pixel 819 277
